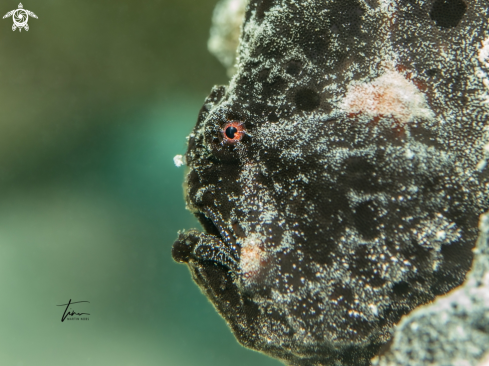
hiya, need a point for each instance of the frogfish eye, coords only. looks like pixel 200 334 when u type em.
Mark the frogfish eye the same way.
pixel 233 132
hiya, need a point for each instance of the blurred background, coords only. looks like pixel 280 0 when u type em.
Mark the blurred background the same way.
pixel 95 100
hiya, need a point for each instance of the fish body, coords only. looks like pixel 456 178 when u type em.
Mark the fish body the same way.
pixel 340 175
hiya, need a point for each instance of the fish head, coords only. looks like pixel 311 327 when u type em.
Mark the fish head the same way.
pixel 333 196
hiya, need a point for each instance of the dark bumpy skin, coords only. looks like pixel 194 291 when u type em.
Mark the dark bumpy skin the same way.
pixel 354 195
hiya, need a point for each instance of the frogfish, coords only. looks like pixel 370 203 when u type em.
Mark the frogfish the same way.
pixel 339 177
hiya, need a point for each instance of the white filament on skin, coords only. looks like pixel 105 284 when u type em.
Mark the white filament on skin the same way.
pixel 178 160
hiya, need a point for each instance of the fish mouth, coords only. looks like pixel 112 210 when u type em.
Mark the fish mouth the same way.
pixel 216 244
pixel 208 224
pixel 219 228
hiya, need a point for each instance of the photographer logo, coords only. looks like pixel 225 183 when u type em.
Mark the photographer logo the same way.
pixel 20 17
pixel 73 315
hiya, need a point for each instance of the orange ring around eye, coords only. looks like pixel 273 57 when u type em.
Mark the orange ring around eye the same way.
pixel 233 132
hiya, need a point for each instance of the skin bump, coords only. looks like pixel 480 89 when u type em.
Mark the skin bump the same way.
pixel 389 95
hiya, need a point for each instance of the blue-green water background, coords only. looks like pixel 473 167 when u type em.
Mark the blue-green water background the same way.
pixel 95 100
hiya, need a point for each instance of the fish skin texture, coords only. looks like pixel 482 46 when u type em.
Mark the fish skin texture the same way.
pixel 354 194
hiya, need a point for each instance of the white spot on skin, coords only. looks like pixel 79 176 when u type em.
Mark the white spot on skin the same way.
pixel 481 165
pixel 484 53
pixel 388 95
pixel 484 60
pixel 441 235
pixel 374 309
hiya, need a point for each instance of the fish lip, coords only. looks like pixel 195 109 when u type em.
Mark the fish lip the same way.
pixel 221 246
pixel 184 245
pixel 194 247
pixel 226 236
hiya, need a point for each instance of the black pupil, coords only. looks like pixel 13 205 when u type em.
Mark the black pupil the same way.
pixel 230 131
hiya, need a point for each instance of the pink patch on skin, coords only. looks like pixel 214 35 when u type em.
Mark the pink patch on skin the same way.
pixel 252 259
pixel 388 95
